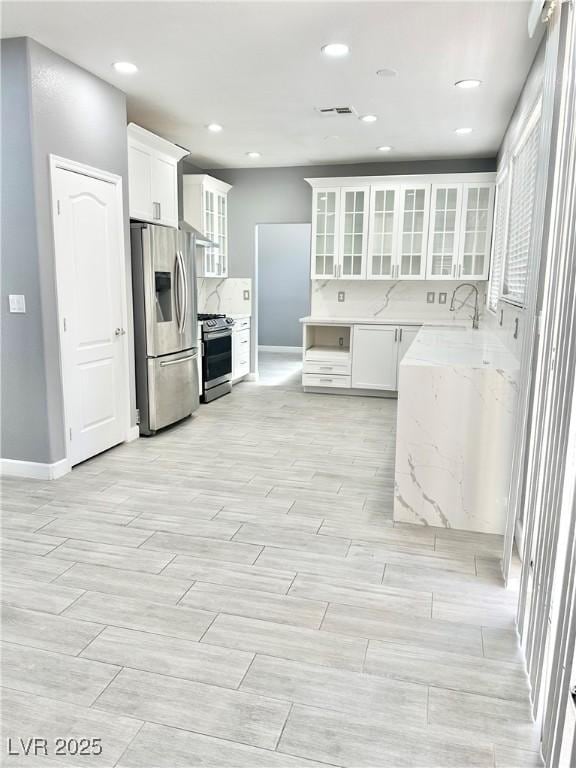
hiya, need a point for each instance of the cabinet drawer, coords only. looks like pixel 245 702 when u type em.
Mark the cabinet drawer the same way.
pixel 327 368
pixel 317 380
pixel 240 325
pixel 242 367
pixel 242 340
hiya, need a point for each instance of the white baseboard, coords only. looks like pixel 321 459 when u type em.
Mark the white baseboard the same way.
pixel 34 470
pixel 280 350
pixel 133 433
pixel 253 376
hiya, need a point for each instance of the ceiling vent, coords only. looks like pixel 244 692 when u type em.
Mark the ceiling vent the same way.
pixel 336 111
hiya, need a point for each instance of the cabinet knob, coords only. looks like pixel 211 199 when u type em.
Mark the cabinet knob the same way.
pixel 119 332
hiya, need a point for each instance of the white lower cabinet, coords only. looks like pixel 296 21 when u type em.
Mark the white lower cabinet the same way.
pixel 377 351
pixel 362 356
pixel 374 357
pixel 406 335
pixel 241 349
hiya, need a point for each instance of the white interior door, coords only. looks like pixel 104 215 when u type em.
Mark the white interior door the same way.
pixel 90 273
pixel 374 357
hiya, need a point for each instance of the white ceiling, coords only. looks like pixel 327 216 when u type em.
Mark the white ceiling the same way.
pixel 257 69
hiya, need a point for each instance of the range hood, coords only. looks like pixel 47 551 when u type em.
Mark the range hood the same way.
pixel 199 238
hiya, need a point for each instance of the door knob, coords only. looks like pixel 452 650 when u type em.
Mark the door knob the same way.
pixel 119 332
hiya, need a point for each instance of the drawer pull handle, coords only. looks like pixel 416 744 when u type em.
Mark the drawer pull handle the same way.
pixel 328 380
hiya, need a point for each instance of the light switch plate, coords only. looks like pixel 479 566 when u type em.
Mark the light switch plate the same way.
pixel 246 295
pixel 341 296
pixel 17 303
pixel 430 296
pixel 442 298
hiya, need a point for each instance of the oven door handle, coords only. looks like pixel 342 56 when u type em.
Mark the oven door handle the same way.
pixel 220 335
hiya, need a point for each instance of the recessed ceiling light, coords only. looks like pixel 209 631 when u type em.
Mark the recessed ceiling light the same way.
pixel 214 127
pixel 125 67
pixel 335 50
pixel 467 84
pixel 463 131
pixel 385 148
pixel 386 72
pixel 368 118
pixel 253 155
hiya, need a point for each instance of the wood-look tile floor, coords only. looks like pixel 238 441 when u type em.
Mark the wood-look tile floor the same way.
pixel 233 592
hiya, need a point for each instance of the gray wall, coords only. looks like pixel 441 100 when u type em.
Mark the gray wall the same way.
pixel 75 115
pixel 24 413
pixel 283 283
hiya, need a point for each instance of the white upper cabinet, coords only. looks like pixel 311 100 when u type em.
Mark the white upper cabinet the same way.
pixel 476 237
pixel 325 225
pixel 206 209
pixel 354 233
pixel 444 231
pixel 435 227
pixel 383 233
pixel 414 211
pixel 460 231
pixel 153 177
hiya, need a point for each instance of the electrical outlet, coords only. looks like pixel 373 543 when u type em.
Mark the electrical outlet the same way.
pixel 430 296
pixel 442 298
pixel 341 341
pixel 246 295
pixel 341 296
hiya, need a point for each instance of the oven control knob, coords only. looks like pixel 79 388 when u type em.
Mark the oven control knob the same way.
pixel 230 320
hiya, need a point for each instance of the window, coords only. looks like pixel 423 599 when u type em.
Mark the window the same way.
pixel 499 242
pixel 522 193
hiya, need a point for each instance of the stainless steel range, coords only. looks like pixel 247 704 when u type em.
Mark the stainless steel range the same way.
pixel 216 356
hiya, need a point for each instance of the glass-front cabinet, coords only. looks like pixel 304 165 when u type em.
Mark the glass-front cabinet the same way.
pixel 383 233
pixel 402 228
pixel 477 216
pixel 414 210
pixel 444 231
pixel 354 238
pixel 325 225
pixel 206 208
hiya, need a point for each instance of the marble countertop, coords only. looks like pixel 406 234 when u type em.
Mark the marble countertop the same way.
pixel 237 316
pixel 458 347
pixel 310 320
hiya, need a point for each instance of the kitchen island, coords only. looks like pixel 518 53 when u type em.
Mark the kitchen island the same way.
pixel 456 404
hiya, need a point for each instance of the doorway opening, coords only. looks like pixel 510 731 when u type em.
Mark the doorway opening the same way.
pixel 282 291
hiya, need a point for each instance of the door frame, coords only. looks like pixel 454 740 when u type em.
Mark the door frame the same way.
pixel 58 163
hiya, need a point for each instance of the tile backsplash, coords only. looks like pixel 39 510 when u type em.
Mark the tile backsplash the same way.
pixel 229 295
pixel 399 300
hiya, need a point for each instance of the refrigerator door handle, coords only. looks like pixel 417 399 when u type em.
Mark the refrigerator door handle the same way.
pixel 181 293
pixel 193 356
pixel 186 289
pixel 177 292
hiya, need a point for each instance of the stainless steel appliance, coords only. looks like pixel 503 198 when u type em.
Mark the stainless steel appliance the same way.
pixel 164 290
pixel 216 356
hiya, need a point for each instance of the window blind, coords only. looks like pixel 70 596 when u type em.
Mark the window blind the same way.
pixel 522 191
pixel 499 242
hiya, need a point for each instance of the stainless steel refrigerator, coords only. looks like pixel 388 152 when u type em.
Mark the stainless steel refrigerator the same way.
pixel 165 324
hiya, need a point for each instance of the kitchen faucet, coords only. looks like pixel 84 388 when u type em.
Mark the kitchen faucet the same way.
pixel 476 315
